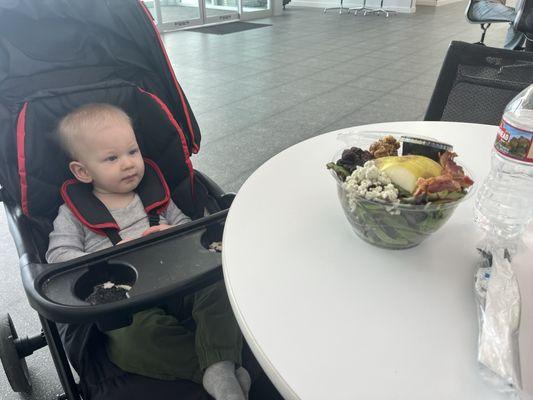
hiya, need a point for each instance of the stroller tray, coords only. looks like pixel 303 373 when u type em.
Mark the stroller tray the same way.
pixel 146 270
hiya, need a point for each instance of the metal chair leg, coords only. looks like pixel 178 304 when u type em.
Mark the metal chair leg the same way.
pixel 484 28
pixel 337 8
pixel 357 9
pixel 380 10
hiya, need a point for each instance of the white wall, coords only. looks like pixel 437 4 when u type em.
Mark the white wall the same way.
pixel 404 6
pixel 277 7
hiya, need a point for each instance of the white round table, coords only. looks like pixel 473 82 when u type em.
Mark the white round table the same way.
pixel 329 316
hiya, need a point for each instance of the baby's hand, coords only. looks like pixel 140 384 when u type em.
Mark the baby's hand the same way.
pixel 156 228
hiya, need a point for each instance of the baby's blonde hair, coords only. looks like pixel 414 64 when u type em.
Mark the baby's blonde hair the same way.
pixel 82 120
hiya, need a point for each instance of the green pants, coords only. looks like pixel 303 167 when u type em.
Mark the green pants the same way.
pixel 159 345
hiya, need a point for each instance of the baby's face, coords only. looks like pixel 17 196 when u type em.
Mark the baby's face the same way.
pixel 112 158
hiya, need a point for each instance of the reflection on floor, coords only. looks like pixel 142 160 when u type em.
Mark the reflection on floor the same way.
pixel 257 92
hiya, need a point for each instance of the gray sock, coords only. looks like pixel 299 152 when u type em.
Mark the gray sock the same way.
pixel 221 382
pixel 244 380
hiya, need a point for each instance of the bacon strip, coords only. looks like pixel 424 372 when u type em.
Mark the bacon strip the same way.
pixel 452 178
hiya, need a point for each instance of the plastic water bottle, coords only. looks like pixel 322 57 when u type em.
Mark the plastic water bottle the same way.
pixel 504 204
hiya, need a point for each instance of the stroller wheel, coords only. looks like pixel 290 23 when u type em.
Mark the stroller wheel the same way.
pixel 15 367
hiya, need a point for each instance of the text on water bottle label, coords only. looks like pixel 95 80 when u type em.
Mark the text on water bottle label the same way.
pixel 514 143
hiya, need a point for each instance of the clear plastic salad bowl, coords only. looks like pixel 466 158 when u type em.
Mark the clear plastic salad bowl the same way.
pixel 385 224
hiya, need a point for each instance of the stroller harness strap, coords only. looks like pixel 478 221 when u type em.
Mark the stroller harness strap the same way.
pixel 91 212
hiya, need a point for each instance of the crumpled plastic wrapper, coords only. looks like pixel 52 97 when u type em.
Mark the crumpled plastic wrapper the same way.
pixel 498 298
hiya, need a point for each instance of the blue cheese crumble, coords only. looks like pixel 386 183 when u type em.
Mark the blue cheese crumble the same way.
pixel 370 183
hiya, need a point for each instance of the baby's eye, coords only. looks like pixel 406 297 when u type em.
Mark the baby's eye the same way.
pixel 111 158
pixel 134 151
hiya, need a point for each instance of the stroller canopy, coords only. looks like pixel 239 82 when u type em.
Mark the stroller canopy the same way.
pixel 58 54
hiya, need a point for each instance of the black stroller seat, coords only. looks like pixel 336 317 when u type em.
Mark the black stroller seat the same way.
pixel 54 57
pixel 41 165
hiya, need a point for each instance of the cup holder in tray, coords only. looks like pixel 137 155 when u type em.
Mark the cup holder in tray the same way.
pixel 212 234
pixel 114 271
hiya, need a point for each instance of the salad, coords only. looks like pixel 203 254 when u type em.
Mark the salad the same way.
pixel 396 200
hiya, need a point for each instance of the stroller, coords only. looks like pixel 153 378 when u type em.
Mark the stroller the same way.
pixel 56 55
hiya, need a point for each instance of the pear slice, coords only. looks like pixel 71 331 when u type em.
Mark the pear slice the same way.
pixel 404 171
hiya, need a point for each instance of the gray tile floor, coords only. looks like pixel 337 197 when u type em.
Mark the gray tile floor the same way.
pixel 257 92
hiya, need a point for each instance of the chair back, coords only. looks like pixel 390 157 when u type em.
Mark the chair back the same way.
pixel 477 82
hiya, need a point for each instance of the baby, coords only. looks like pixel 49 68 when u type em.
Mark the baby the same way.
pixel 101 143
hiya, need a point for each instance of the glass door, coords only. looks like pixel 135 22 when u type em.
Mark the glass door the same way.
pixel 220 10
pixel 178 14
pixel 175 14
pixel 252 9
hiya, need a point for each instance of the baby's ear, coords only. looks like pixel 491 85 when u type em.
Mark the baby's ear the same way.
pixel 80 172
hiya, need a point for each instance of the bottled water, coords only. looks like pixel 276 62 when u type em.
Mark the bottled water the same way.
pixel 504 204
pixel 504 208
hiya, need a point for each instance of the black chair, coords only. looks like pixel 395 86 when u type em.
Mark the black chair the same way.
pixel 476 83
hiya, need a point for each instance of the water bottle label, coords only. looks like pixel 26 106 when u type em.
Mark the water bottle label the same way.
pixel 514 143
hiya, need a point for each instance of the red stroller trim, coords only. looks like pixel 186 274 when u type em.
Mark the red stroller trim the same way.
pixel 160 205
pixel 81 213
pixel 196 148
pixel 21 158
pixel 97 228
pixel 178 129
